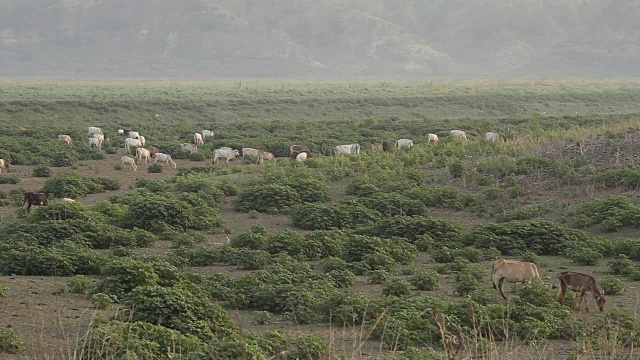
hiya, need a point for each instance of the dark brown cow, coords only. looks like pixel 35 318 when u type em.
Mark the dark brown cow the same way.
pixel 386 146
pixel 296 149
pixel 31 198
pixel 582 283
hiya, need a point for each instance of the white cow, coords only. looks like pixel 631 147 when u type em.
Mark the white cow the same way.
pixel 250 152
pixel 432 138
pixel 129 160
pixel 459 134
pixel 197 139
pixel 3 165
pixel 347 149
pixel 131 143
pixel 65 138
pixel 301 156
pixel 143 141
pixel 491 136
pixel 100 137
pixel 164 158
pixel 143 155
pixel 404 144
pixel 68 200
pixel 133 135
pixel 224 153
pixel 94 130
pixel 95 143
pixel 206 134
pixel 189 147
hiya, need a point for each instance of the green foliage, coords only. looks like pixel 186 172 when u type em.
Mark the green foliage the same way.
pixel 621 265
pixel 249 240
pixel 102 301
pixel 586 257
pixel 267 198
pixel 41 171
pixel 155 168
pixel 4 291
pixel 342 278
pixel 10 342
pixel 79 284
pixel 9 179
pixel 412 228
pixel 612 212
pixel 426 280
pixel 63 159
pixel 396 287
pixel 70 184
pixel 535 293
pixel 456 168
pixel 315 216
pixel 379 276
pixel 262 317
pixel 627 176
pixel 253 259
pixel 611 285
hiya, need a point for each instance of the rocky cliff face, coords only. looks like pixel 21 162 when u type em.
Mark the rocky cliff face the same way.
pixel 304 38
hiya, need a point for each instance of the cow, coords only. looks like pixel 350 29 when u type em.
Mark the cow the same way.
pixel 206 134
pixel 404 144
pixel 131 143
pixel 31 198
pixel 432 138
pixel 153 150
pixel 491 136
pixel 376 146
pixel 143 155
pixel 347 149
pixel 3 165
pixel 129 160
pixel 250 152
pixel 95 143
pixel 581 283
pixel 133 135
pixel 68 200
pixel 386 146
pixel 163 158
pixel 513 271
pixel 459 134
pixel 100 137
pixel 265 155
pixel 192 148
pixel 224 153
pixel 296 149
pixel 197 139
pixel 124 132
pixel 94 130
pixel 302 156
pixel 143 141
pixel 65 139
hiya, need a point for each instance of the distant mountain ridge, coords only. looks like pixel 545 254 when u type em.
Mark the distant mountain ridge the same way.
pixel 305 38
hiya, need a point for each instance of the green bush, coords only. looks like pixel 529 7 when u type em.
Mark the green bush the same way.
pixel 102 301
pixel 249 240
pixel 155 168
pixel 10 342
pixel 586 257
pixel 426 280
pixel 79 284
pixel 267 198
pixel 253 259
pixel 621 265
pixel 70 184
pixel 63 159
pixel 262 317
pixel 612 285
pixel 333 263
pixel 396 287
pixel 41 171
pixel 342 278
pixel 379 276
pixel 535 293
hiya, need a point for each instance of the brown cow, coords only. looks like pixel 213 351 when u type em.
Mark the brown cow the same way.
pixel 582 283
pixel 386 146
pixel 376 146
pixel 31 198
pixel 296 149
pixel 265 155
pixel 153 150
pixel 513 271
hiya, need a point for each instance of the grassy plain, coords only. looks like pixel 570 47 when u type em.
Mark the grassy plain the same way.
pixel 559 120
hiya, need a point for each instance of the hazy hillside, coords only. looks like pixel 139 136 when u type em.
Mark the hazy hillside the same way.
pixel 230 38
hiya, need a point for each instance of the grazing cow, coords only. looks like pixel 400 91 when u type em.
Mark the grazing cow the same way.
pixel 265 155
pixel 3 165
pixel 250 152
pixel 124 132
pixel 95 143
pixel 197 139
pixel 514 272
pixel 432 138
pixel 491 136
pixel 404 144
pixel 376 146
pixel 31 198
pixel 65 138
pixel 153 150
pixel 131 143
pixel 347 149
pixel 582 283
pixel 143 155
pixel 100 137
pixel 386 146
pixel 129 160
pixel 224 153
pixel 189 147
pixel 459 134
pixel 163 158
pixel 302 156
pixel 143 141
pixel 94 130
pixel 296 149
pixel 133 135
pixel 206 134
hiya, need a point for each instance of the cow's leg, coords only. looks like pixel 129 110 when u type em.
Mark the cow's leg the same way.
pixel 500 282
pixel 586 302
pixel 580 300
pixel 560 294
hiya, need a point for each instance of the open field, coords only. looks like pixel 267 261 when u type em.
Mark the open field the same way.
pixel 357 230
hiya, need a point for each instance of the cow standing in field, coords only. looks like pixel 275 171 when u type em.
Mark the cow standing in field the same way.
pixel 131 144
pixel 404 144
pixel 197 139
pixel 432 138
pixel 386 146
pixel 94 130
pixel 581 283
pixel 294 150
pixel 347 149
pixel 224 153
pixel 164 158
pixel 302 156
pixel 206 134
pixel 95 143
pixel 143 155
pixel 129 161
pixel 65 139
pixel 192 148
pixel 492 137
pixel 459 134
pixel 514 272
pixel 265 155
pixel 31 198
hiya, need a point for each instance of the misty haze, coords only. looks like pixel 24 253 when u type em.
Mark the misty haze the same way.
pixel 319 38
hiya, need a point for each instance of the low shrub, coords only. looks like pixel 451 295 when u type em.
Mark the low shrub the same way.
pixel 611 285
pixel 426 280
pixel 79 284
pixel 621 265
pixel 102 301
pixel 262 317
pixel 155 168
pixel 396 287
pixel 42 171
pixel 586 256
